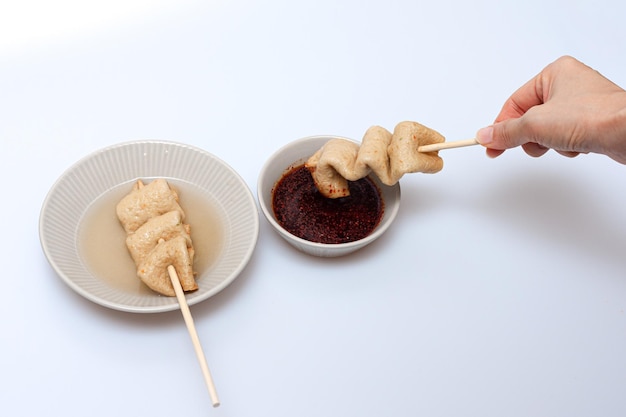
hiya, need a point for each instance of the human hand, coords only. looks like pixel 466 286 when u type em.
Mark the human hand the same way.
pixel 567 107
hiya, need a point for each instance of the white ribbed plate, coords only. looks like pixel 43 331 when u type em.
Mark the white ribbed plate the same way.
pixel 93 176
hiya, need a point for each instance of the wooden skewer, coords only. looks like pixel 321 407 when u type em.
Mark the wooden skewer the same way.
pixel 180 295
pixel 447 145
pixel 184 308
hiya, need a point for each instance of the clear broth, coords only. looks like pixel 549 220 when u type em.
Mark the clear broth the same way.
pixel 102 240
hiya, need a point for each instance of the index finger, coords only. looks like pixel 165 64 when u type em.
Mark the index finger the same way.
pixel 527 96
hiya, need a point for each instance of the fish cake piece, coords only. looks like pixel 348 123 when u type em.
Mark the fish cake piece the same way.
pixel 166 227
pixel 333 165
pixel 374 153
pixel 153 269
pixel 145 202
pixel 403 153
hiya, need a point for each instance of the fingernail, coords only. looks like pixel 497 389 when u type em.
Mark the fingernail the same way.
pixel 485 135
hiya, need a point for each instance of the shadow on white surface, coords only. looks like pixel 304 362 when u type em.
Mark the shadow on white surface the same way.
pixel 535 202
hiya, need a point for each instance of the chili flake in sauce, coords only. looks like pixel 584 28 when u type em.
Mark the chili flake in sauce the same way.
pixel 303 211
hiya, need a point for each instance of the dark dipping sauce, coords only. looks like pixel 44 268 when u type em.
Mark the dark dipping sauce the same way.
pixel 304 212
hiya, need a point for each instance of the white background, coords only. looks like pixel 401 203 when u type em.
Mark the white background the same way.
pixel 499 291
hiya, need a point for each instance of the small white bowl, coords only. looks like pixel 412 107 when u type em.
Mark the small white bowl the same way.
pixel 296 153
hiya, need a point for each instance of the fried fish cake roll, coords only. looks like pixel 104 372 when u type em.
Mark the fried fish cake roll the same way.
pixel 166 226
pixel 145 202
pixel 153 269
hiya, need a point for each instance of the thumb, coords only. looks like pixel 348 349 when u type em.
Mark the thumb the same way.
pixel 503 135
